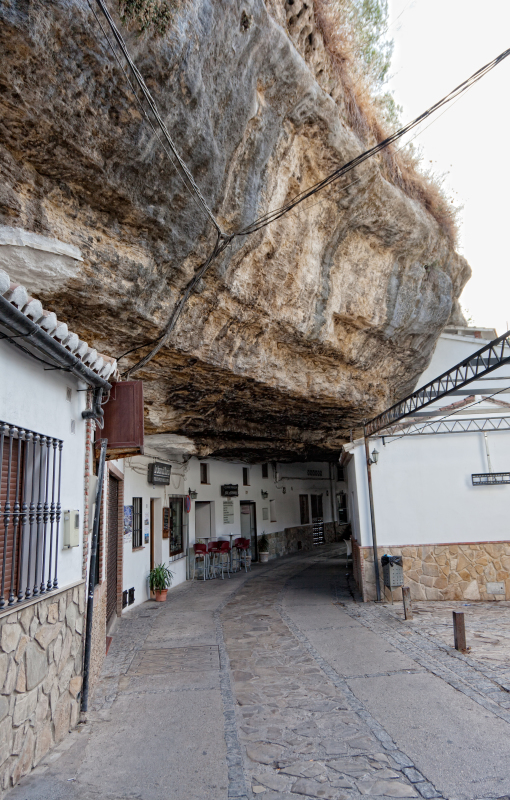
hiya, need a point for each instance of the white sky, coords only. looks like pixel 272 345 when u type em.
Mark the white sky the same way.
pixel 438 44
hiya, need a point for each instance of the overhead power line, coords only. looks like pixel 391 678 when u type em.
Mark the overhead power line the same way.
pixel 224 239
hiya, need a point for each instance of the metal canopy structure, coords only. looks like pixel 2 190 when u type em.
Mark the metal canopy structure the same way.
pixel 493 356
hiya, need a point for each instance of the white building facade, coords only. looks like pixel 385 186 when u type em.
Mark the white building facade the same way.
pixel 452 532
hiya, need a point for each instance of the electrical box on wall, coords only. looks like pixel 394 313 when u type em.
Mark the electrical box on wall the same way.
pixel 71 528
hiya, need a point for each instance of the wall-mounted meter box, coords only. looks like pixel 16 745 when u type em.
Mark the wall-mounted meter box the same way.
pixel 71 528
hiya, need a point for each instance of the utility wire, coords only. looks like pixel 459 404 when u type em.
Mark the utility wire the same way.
pixel 223 240
pixel 153 107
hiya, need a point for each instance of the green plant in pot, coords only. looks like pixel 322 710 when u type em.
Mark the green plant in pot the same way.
pixel 160 580
pixel 263 548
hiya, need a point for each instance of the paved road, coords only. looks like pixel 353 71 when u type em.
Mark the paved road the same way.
pixel 279 684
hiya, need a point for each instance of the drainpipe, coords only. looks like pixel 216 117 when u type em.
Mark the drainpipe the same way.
pixel 372 515
pixel 331 489
pixel 487 451
pixel 92 575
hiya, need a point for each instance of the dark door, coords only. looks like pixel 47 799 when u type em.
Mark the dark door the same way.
pixel 152 535
pixel 113 537
pixel 317 519
pixel 249 527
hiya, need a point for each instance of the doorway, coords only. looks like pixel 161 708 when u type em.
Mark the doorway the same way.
pixel 111 556
pixel 249 526
pixel 152 533
pixel 203 527
pixel 317 519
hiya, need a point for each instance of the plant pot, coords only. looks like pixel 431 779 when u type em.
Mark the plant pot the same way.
pixel 263 557
pixel 161 595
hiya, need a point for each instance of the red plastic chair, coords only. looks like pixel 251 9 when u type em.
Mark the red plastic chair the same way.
pixel 213 550
pixel 224 557
pixel 200 553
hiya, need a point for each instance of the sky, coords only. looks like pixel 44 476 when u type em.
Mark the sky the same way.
pixel 438 44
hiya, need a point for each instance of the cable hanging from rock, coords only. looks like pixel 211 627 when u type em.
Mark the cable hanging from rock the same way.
pixel 223 239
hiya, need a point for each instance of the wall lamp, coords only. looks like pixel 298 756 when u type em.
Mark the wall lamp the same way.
pixel 193 494
pixel 375 457
pixel 264 494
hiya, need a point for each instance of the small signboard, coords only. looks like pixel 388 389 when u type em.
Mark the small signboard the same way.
pixel 228 512
pixel 230 490
pixel 158 473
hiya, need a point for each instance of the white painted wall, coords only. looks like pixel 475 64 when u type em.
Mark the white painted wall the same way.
pixel 136 563
pixel 35 398
pixel 423 493
pixel 422 487
pixel 283 486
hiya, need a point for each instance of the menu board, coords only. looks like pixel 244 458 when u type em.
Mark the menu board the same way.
pixel 228 512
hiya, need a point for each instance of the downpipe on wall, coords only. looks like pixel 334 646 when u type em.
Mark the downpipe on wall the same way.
pixel 92 574
pixel 372 516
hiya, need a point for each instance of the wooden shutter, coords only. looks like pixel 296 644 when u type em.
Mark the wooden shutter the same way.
pixel 8 494
pixel 123 420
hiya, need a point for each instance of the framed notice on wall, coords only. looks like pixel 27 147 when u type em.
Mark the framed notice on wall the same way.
pixel 228 512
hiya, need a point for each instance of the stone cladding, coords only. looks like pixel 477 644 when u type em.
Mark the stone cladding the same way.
pixel 290 540
pixel 40 676
pixel 465 571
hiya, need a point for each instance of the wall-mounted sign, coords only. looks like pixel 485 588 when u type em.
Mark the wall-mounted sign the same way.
pixel 159 474
pixel 228 512
pixel 230 490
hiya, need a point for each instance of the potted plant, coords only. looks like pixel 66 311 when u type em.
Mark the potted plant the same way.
pixel 263 548
pixel 160 580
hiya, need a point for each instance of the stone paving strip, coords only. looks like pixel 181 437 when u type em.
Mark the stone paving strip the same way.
pixel 303 732
pixel 484 685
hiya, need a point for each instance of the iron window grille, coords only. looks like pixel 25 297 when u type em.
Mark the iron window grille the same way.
pixel 490 478
pixel 265 470
pixel 137 522
pixel 30 512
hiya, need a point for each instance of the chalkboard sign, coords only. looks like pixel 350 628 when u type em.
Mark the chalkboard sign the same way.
pixel 159 474
pixel 230 490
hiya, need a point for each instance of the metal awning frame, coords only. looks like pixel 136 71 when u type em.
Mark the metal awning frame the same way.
pixel 494 355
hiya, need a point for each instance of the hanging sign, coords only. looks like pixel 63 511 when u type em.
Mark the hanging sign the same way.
pixel 158 473
pixel 187 504
pixel 230 490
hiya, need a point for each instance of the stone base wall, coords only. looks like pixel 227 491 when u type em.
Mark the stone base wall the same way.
pixel 291 540
pixel 40 679
pixel 474 571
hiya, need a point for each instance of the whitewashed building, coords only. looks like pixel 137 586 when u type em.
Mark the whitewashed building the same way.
pixel 450 526
pixel 48 381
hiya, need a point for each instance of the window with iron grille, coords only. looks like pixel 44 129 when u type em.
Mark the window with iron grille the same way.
pixel 30 511
pixel 340 473
pixel 137 522
pixel 303 509
pixel 265 470
pixel 246 476
pixel 204 473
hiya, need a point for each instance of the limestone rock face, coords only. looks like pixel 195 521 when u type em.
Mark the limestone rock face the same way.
pixel 299 331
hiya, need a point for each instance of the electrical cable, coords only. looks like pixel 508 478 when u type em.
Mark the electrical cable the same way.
pixel 223 240
pixel 153 107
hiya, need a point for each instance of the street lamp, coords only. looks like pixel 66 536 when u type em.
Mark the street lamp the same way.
pixel 375 457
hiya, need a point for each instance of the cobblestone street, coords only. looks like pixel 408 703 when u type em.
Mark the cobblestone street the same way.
pixel 280 684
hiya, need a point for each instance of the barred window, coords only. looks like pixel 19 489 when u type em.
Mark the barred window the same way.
pixel 137 522
pixel 30 511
